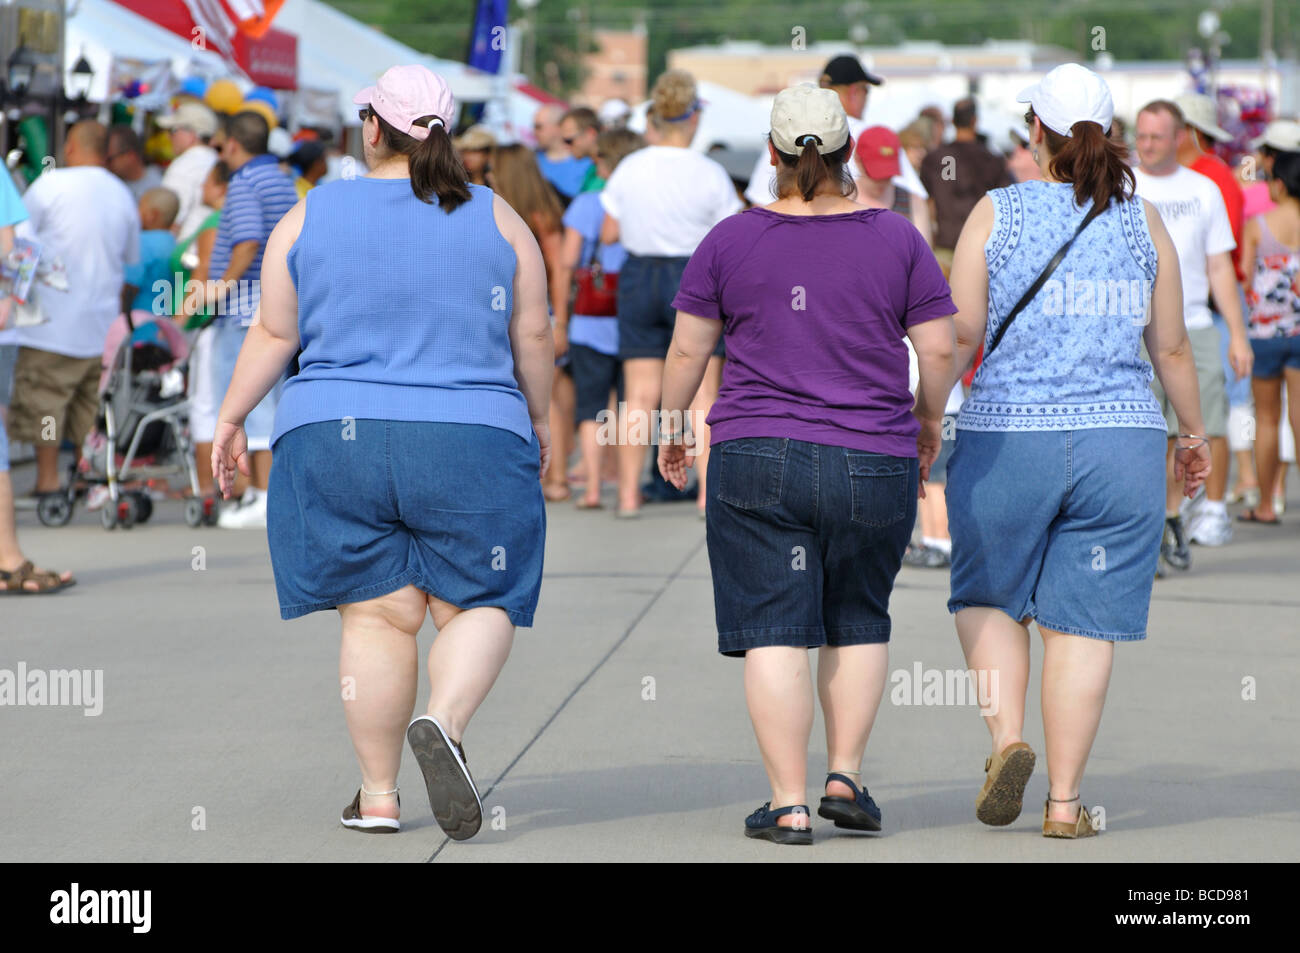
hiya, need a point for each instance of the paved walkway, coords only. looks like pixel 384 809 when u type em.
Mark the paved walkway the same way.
pixel 217 715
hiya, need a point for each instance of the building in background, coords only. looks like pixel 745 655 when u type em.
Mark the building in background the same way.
pixel 617 70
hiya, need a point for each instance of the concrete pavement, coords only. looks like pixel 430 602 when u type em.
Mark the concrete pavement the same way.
pixel 222 736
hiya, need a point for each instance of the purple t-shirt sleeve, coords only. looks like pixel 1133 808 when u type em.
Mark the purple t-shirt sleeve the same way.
pixel 698 293
pixel 928 294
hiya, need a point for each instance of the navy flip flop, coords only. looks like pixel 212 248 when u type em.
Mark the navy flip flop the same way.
pixel 763 825
pixel 858 814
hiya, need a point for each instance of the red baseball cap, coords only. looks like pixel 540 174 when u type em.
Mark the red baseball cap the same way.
pixel 877 149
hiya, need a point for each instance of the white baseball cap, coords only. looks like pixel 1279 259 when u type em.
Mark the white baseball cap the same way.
pixel 1068 94
pixel 807 110
pixel 1280 134
pixel 1200 111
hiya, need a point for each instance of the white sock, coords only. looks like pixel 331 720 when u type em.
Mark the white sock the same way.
pixel 1217 507
pixel 943 545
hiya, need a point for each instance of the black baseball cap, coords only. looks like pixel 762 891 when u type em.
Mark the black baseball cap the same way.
pixel 845 70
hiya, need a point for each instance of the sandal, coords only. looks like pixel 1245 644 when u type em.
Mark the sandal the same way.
pixel 354 820
pixel 1250 516
pixel 556 494
pixel 763 825
pixel 584 505
pixel 1081 826
pixel 1000 800
pixel 14 583
pixel 857 814
pixel 452 794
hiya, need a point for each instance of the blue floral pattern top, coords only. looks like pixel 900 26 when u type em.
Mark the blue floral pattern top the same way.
pixel 1072 358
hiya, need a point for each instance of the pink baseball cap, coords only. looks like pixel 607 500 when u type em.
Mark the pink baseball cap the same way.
pixel 406 93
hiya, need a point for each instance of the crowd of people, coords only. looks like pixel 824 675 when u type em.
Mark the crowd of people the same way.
pixel 1059 346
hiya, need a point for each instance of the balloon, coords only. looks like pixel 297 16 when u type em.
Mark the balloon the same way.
pixel 223 96
pixel 263 94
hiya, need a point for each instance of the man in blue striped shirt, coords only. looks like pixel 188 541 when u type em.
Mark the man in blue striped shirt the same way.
pixel 258 196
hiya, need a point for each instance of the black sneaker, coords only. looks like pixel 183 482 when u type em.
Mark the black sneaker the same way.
pixel 1174 547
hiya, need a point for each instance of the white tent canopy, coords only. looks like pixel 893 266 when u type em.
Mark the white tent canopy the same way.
pixel 104 32
pixel 337 52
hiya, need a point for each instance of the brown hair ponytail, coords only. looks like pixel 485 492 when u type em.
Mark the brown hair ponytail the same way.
pixel 1091 161
pixel 435 167
pixel 809 172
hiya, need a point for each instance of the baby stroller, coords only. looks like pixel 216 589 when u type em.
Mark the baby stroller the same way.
pixel 142 429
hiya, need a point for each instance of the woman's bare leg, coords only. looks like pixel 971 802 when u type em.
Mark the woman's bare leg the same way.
pixel 778 691
pixel 467 656
pixel 592 460
pixel 642 381
pixel 1076 674
pixel 379 674
pixel 998 645
pixel 1268 415
pixel 851 682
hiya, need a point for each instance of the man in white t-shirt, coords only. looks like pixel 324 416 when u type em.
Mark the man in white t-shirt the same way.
pixel 851 83
pixel 84 215
pixel 1191 207
pixel 191 126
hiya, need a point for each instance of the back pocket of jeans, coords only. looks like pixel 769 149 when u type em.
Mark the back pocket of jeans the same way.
pixel 879 488
pixel 750 472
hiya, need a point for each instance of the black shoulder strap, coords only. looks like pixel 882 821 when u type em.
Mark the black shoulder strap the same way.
pixel 1037 286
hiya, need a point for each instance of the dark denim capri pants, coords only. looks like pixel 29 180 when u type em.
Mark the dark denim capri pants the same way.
pixel 805 541
pixel 646 316
pixel 454 509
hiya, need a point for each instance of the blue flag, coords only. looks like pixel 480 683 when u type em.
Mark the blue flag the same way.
pixel 487 41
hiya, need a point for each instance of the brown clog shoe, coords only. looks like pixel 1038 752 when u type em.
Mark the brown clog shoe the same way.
pixel 998 803
pixel 1081 826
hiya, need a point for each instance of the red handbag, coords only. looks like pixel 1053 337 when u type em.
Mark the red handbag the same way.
pixel 596 291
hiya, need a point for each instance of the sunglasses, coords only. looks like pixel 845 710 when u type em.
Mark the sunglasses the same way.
pixel 365 113
pixel 568 141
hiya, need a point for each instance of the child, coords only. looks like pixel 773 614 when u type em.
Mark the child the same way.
pixel 158 210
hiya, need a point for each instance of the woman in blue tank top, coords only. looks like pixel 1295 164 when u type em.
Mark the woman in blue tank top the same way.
pixel 409 447
pixel 1056 483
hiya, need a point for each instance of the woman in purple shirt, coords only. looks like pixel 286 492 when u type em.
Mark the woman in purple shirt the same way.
pixel 813 481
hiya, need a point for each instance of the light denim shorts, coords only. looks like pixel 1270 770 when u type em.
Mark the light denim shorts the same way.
pixel 1059 526
pixel 8 357
pixel 226 344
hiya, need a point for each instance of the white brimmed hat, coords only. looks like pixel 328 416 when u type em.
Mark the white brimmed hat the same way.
pixel 1068 94
pixel 1200 111
pixel 1280 134
pixel 806 110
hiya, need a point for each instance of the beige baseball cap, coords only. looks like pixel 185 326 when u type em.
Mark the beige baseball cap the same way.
pixel 806 110
pixel 1200 111
pixel 191 115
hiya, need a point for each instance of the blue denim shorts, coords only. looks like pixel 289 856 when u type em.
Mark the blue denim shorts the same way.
pixel 1059 526
pixel 805 541
pixel 1274 355
pixel 646 316
pixel 8 357
pixel 454 509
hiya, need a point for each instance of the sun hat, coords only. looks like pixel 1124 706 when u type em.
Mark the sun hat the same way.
pixel 1068 94
pixel 877 150
pixel 1200 111
pixel 478 137
pixel 407 93
pixel 193 116
pixel 806 110
pixel 1280 134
